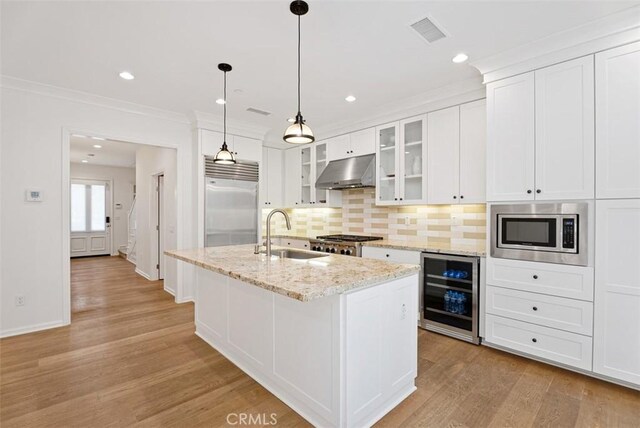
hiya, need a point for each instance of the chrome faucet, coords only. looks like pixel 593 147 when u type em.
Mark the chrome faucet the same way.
pixel 286 217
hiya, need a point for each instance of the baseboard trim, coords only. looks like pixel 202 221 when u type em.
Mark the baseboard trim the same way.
pixel 170 291
pixel 142 274
pixel 32 328
pixel 186 299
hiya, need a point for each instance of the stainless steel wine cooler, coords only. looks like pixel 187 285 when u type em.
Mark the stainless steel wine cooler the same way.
pixel 449 297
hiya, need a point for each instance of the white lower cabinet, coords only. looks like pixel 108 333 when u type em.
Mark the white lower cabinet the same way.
pixel 301 244
pixel 617 298
pixel 548 343
pixel 571 315
pixel 392 255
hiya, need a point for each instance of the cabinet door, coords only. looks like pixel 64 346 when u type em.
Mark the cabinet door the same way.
pixel 443 156
pixel 338 147
pixel 473 146
pixel 211 142
pixel 387 164
pixel 274 178
pixel 264 179
pixel 363 142
pixel 618 122
pixel 564 131
pixel 320 162
pixel 246 148
pixel 306 172
pixel 510 139
pixel 413 160
pixel 292 177
pixel 616 336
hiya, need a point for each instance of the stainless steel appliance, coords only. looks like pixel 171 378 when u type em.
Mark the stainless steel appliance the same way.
pixel 544 232
pixel 348 245
pixel 359 171
pixel 231 203
pixel 449 295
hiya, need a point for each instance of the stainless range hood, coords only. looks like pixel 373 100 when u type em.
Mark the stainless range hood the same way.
pixel 359 171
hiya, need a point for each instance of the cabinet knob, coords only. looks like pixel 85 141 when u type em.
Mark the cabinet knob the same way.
pixel 529 191
pixel 535 276
pixel 401 199
pixel 538 191
pixel 535 308
pixel 395 199
pixel 534 340
pixel 387 255
pixel 461 197
pixel 455 197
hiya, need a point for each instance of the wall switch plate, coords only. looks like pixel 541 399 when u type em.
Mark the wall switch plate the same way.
pixel 20 301
pixel 33 195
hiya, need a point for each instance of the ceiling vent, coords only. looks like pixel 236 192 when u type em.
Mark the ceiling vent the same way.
pixel 428 30
pixel 258 111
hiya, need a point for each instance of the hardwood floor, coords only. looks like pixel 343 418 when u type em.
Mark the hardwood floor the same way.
pixel 130 358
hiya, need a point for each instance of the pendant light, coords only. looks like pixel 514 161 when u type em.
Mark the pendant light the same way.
pixel 298 132
pixel 224 156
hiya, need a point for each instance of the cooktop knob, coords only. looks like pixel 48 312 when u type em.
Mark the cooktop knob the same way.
pixel 326 250
pixel 333 250
pixel 343 252
pixel 348 252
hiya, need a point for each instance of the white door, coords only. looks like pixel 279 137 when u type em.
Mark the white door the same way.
pixel 161 226
pixel 618 122
pixel 565 131
pixel 616 334
pixel 90 218
pixel 510 139
pixel 363 142
pixel 473 146
pixel 443 158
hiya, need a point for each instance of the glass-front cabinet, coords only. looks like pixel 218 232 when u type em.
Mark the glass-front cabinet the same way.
pixel 401 162
pixel 311 161
pixel 306 181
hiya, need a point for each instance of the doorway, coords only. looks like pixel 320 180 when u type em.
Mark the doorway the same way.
pixel 160 227
pixel 90 218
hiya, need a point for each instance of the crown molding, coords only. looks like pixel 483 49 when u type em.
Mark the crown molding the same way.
pixel 214 122
pixel 613 30
pixel 18 84
pixel 445 96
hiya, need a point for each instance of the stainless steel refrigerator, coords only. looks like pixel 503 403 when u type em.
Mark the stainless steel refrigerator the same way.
pixel 231 204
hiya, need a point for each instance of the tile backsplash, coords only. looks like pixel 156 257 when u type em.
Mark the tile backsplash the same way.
pixel 447 224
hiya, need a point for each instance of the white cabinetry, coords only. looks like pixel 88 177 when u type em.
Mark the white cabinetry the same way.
pixel 401 162
pixel 350 145
pixel 617 297
pixel 618 122
pixel 510 139
pixel 473 152
pixel 540 130
pixel 391 255
pixel 271 186
pixel 303 166
pixel 292 174
pixel 243 148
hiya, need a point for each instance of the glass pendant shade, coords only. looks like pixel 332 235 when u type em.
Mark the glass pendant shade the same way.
pixel 298 133
pixel 224 156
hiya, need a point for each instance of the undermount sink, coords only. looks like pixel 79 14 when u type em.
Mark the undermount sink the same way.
pixel 293 254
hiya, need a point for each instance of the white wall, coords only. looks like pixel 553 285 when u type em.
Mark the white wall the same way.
pixel 151 161
pixel 122 193
pixel 36 121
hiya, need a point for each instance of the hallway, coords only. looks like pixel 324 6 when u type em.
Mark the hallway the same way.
pixel 130 357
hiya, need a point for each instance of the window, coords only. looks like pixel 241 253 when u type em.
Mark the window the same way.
pixel 88 207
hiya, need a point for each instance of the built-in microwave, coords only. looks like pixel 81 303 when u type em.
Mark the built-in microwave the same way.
pixel 546 232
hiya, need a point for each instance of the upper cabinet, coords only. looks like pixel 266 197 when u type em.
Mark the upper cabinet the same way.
pixel 350 145
pixel 456 154
pixel 303 166
pixel 618 122
pixel 540 134
pixel 271 186
pixel 510 139
pixel 401 162
pixel 243 148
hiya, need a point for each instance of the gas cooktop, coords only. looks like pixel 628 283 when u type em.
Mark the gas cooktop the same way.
pixel 348 245
pixel 348 238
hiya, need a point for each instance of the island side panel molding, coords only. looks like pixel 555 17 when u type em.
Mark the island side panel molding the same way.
pixel 211 304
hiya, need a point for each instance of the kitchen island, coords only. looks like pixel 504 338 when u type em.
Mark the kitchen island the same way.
pixel 334 337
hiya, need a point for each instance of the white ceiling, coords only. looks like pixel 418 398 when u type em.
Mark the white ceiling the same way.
pixel 349 47
pixel 112 153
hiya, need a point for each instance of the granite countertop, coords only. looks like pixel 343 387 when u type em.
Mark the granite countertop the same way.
pixel 302 280
pixel 459 250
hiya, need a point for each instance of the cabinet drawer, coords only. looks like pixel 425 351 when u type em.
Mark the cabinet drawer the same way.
pixel 392 255
pixel 575 282
pixel 571 315
pixel 555 345
pixel 300 244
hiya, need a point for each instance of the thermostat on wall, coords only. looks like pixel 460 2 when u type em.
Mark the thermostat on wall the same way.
pixel 33 196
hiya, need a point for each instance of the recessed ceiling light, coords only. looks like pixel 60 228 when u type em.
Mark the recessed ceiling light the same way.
pixel 126 75
pixel 460 58
pixel 97 146
pixel 291 120
pixel 350 99
pixel 220 101
pixel 84 161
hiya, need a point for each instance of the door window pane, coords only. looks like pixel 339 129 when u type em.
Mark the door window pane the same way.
pixel 78 208
pixel 98 212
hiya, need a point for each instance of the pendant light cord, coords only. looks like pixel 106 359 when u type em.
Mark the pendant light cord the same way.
pixel 298 65
pixel 224 126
